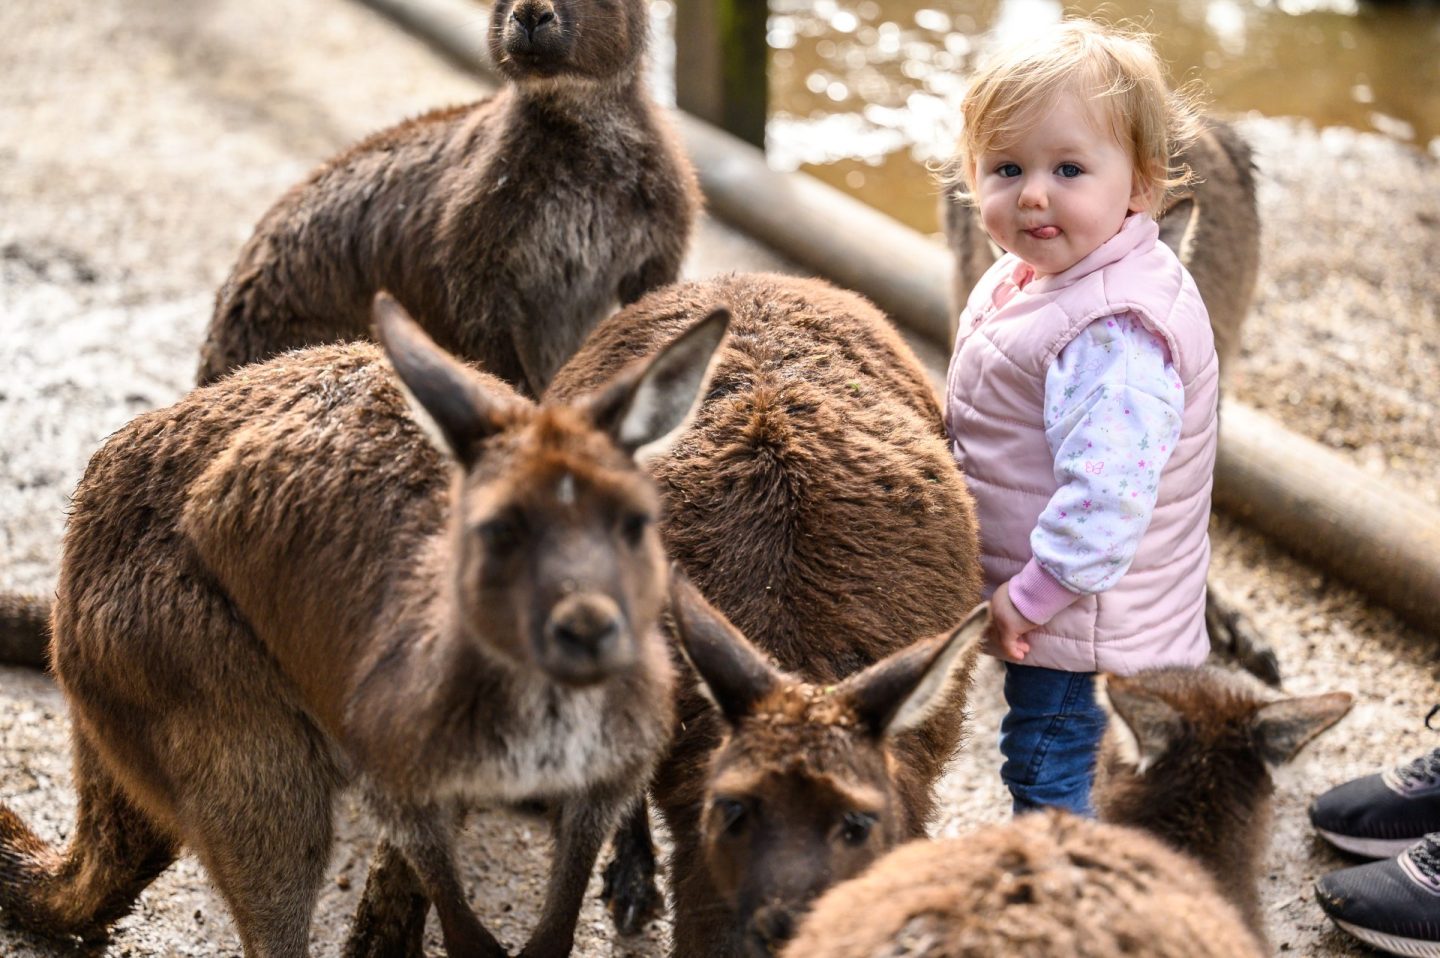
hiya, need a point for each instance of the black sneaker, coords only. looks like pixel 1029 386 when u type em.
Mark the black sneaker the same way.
pixel 1381 815
pixel 1393 905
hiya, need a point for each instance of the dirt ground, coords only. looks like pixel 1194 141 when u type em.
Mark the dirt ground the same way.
pixel 140 140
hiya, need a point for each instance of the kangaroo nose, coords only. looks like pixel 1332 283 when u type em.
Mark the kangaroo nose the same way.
pixel 773 925
pixel 532 17
pixel 584 627
pixel 584 636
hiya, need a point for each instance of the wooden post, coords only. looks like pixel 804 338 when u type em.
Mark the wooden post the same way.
pixel 720 64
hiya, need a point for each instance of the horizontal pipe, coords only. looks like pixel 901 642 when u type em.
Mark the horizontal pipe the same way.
pixel 823 229
pixel 456 28
pixel 1381 541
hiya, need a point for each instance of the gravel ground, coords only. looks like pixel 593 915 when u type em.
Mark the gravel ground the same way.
pixel 1343 342
pixel 140 140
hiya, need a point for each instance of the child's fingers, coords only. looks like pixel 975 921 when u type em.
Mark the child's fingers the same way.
pixel 1005 644
pixel 998 646
pixel 1014 647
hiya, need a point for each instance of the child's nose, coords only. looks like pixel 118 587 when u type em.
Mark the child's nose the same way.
pixel 1032 194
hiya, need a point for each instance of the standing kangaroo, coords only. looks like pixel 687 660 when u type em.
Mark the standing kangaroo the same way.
pixel 1184 791
pixel 817 508
pixel 278 586
pixel 511 226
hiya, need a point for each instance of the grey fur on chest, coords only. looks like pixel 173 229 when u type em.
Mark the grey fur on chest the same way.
pixel 582 230
pixel 556 741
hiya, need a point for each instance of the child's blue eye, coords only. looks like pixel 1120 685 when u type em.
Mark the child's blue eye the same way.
pixel 1069 170
pixel 1008 170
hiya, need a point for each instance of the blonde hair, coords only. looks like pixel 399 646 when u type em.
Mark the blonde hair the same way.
pixel 1119 67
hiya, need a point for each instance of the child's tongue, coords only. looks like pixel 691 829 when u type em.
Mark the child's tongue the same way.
pixel 1045 232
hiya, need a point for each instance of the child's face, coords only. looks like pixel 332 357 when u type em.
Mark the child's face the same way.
pixel 1060 190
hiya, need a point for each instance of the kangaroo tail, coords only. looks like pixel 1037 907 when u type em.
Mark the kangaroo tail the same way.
pixel 114 852
pixel 24 630
pixel 25 860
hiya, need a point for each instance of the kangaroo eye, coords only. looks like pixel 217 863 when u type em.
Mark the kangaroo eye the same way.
pixel 633 527
pixel 500 536
pixel 855 829
pixel 732 815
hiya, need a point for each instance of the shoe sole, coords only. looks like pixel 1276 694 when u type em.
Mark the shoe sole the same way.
pixel 1410 947
pixel 1369 847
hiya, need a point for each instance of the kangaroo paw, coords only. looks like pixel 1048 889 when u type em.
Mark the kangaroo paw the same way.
pixel 390 920
pixel 630 894
pixel 1232 633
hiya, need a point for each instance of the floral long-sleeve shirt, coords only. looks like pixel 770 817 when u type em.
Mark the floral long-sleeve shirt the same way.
pixel 1113 403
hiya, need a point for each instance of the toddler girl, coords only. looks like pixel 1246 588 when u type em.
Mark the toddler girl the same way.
pixel 1081 395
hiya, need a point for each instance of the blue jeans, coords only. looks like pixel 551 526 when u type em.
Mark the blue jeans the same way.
pixel 1050 737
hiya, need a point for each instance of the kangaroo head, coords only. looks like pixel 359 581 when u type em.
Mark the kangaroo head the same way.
pixel 802 791
pixel 1187 757
pixel 1167 723
pixel 588 40
pixel 556 562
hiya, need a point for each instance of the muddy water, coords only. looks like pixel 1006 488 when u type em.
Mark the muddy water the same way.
pixel 864 93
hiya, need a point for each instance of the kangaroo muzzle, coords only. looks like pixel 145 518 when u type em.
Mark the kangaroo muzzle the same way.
pixel 586 639
pixel 533 17
pixel 771 927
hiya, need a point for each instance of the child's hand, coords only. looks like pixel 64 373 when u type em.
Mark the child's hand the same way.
pixel 1004 638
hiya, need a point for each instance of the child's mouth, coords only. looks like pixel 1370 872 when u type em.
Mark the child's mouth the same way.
pixel 1044 232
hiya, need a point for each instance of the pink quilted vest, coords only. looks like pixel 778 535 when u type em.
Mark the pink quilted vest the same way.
pixel 995 391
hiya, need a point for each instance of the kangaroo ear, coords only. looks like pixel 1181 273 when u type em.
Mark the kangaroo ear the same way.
pixel 1178 224
pixel 645 407
pixel 453 403
pixel 1144 724
pixel 1283 728
pixel 732 671
pixel 903 690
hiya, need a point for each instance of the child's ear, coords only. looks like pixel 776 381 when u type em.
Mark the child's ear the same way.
pixel 1142 195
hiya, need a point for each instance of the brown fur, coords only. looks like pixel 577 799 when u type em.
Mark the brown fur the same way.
pixel 512 225
pixel 816 506
pixel 1047 885
pixel 1206 741
pixel 1214 228
pixel 1172 871
pixel 278 585
pixel 24 629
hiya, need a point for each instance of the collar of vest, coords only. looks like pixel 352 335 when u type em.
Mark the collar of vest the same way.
pixel 1138 233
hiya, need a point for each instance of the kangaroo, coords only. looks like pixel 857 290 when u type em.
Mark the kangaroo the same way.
pixel 809 782
pixel 279 585
pixel 815 505
pixel 1214 228
pixel 511 226
pixel 1172 871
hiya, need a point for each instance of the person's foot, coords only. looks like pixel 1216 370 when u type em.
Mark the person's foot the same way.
pixel 1393 905
pixel 1381 815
